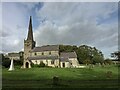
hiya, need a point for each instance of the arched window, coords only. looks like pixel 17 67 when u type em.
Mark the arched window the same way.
pixel 42 53
pixel 49 53
pixel 35 53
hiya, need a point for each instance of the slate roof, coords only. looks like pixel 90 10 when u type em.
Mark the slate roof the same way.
pixel 43 57
pixel 62 59
pixel 46 48
pixel 68 54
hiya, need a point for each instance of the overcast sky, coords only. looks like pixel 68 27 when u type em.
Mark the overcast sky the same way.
pixel 74 23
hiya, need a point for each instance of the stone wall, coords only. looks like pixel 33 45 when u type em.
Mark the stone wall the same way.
pixel 45 53
pixel 74 62
pixel 47 62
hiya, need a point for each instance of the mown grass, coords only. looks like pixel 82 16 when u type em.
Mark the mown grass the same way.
pixel 68 77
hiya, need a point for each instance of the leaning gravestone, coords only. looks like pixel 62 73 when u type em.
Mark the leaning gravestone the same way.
pixel 11 66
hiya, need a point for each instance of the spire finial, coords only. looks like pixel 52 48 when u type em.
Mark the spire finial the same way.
pixel 30 32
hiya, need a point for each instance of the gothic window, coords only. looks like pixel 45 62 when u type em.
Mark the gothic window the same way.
pixel 49 53
pixel 42 53
pixel 52 62
pixel 35 53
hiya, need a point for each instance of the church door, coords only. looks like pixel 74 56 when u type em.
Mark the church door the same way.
pixel 27 65
pixel 63 64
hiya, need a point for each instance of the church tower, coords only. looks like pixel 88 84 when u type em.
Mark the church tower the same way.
pixel 29 44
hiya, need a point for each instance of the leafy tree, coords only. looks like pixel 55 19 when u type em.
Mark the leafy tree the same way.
pixel 6 62
pixel 85 53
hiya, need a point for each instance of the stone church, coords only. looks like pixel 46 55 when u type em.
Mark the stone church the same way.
pixel 48 54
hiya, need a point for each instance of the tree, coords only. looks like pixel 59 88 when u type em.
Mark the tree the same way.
pixel 6 62
pixel 85 54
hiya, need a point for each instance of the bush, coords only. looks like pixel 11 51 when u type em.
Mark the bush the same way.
pixel 38 65
pixel 42 64
pixel 6 63
pixel 18 62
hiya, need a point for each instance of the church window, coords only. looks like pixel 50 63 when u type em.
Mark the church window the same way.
pixel 52 62
pixel 49 53
pixel 35 53
pixel 42 53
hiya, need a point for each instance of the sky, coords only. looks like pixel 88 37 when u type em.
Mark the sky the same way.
pixel 71 23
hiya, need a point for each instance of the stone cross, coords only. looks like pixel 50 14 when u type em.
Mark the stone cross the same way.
pixel 11 66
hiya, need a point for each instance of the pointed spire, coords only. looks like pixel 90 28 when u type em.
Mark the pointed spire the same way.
pixel 30 32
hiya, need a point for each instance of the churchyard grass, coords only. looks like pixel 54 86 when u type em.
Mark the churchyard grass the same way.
pixel 95 77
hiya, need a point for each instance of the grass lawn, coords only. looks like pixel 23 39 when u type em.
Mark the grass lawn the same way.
pixel 68 77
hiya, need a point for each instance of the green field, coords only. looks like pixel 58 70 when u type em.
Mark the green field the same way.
pixel 97 77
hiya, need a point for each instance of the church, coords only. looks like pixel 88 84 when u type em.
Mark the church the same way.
pixel 50 55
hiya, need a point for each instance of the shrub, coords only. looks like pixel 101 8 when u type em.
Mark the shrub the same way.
pixel 18 62
pixel 42 64
pixel 38 65
pixel 6 63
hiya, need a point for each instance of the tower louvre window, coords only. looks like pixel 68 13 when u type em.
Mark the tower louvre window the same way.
pixel 49 53
pixel 42 53
pixel 35 53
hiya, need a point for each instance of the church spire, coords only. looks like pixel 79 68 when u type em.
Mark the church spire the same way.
pixel 30 32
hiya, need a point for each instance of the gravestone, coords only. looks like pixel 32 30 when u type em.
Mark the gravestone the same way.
pixel 11 66
pixel 55 80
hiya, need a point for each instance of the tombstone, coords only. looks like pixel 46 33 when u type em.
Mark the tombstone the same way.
pixel 99 64
pixel 103 65
pixel 11 66
pixel 55 80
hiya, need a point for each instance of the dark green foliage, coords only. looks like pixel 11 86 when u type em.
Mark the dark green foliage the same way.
pixel 6 62
pixel 87 61
pixel 42 64
pixel 38 65
pixel 85 54
pixel 90 53
pixel 67 48
pixel 18 62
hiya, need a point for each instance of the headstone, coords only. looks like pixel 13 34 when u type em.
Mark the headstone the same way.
pixel 11 66
pixel 99 64
pixel 55 80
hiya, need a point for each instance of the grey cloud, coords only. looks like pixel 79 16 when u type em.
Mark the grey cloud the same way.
pixel 76 24
pixel 72 23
